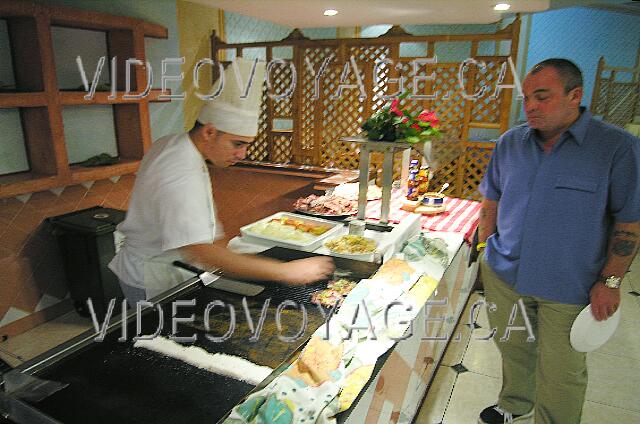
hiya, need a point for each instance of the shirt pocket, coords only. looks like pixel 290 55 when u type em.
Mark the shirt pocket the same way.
pixel 582 184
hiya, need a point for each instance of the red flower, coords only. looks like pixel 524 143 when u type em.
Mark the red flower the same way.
pixel 394 107
pixel 416 126
pixel 430 117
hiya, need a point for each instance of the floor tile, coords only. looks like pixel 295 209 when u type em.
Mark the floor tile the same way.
pixel 613 381
pixel 629 306
pixel 483 357
pixel 625 342
pixel 46 336
pixel 597 413
pixel 459 368
pixel 10 358
pixel 482 317
pixel 434 406
pixel 471 394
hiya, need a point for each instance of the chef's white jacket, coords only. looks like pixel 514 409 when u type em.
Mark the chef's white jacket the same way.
pixel 171 206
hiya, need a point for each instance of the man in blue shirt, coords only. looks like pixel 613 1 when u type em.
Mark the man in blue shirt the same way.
pixel 560 221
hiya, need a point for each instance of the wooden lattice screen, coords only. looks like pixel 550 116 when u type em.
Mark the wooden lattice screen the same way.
pixel 616 93
pixel 305 128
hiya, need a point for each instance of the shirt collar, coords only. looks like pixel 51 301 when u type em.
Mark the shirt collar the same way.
pixel 578 130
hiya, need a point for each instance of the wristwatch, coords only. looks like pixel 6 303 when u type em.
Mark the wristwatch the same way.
pixel 612 282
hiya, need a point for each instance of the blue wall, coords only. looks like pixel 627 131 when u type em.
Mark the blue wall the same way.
pixel 242 29
pixel 583 35
pixel 579 34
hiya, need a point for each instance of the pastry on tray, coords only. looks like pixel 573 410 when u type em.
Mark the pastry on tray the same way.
pixel 394 271
pixel 334 293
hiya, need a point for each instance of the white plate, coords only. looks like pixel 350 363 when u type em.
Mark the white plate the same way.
pixel 588 334
pixel 350 191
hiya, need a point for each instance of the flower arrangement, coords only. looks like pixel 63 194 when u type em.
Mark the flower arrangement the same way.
pixel 392 123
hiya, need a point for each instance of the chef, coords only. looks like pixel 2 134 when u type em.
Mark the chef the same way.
pixel 172 215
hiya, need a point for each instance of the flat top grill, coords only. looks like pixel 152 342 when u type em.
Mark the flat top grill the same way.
pixel 113 382
pixel 345 268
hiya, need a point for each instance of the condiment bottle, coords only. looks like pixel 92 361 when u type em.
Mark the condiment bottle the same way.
pixel 423 180
pixel 412 185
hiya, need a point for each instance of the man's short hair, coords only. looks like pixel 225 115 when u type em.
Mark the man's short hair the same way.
pixel 569 72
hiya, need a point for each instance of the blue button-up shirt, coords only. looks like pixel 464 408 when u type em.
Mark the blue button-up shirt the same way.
pixel 556 210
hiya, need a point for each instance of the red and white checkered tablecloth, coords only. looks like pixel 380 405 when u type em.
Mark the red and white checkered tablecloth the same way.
pixel 461 215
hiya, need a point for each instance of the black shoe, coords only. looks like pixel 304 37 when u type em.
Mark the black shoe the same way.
pixel 496 415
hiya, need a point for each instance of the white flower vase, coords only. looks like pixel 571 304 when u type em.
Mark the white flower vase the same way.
pixel 424 147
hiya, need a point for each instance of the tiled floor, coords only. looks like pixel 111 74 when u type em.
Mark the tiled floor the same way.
pixel 614 371
pixel 27 345
pixel 470 376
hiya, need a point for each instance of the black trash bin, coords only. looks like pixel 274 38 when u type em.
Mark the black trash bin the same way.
pixel 87 244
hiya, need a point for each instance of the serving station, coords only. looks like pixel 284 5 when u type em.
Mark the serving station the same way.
pixel 113 380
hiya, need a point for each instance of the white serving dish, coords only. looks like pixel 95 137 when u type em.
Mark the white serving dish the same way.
pixel 356 256
pixel 253 237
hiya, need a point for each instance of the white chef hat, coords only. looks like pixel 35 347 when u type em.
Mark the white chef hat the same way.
pixel 230 112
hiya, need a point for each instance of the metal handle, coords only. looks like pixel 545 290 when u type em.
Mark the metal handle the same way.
pixel 188 267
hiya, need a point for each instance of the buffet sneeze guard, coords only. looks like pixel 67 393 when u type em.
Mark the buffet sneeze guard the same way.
pixel 388 148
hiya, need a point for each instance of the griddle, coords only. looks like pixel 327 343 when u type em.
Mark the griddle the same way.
pixel 113 382
pixel 349 268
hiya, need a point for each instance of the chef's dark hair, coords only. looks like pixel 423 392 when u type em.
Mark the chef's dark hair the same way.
pixel 569 72
pixel 196 126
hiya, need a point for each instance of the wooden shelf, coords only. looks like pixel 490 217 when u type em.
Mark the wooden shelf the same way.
pixel 12 100
pixel 81 173
pixel 76 98
pixel 27 182
pixel 30 182
pixel 79 18
pixel 41 102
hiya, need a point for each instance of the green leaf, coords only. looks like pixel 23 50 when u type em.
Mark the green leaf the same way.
pixel 412 132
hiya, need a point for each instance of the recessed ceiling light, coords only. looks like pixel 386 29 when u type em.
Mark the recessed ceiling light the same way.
pixel 330 12
pixel 502 7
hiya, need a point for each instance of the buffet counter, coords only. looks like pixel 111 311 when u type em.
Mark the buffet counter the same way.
pixel 113 381
pixel 401 376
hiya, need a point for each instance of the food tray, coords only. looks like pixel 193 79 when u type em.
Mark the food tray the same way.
pixel 252 237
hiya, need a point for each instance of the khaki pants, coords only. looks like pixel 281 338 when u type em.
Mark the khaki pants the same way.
pixel 548 373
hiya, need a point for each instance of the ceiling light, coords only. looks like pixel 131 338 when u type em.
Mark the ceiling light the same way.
pixel 330 12
pixel 501 7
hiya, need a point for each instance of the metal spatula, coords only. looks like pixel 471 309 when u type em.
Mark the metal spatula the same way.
pixel 214 281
